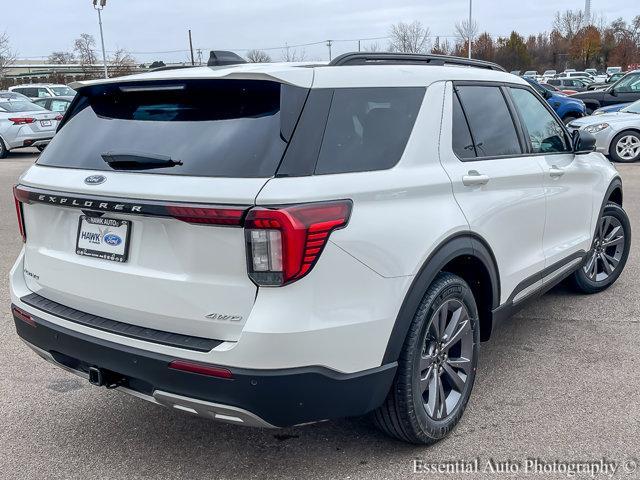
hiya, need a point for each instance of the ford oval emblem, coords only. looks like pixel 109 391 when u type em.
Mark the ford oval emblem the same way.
pixel 95 179
pixel 112 239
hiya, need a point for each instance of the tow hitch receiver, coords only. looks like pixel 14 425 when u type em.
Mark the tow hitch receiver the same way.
pixel 96 377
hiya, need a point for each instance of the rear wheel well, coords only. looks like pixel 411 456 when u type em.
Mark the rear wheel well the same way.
pixel 475 273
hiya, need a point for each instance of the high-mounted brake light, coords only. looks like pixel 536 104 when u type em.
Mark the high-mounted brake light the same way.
pixel 19 198
pixel 22 120
pixel 283 244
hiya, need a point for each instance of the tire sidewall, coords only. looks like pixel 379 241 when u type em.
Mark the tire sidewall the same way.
pixel 3 149
pixel 584 282
pixel 613 153
pixel 456 289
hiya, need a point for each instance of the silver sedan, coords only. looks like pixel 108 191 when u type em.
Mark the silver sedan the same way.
pixel 617 133
pixel 24 124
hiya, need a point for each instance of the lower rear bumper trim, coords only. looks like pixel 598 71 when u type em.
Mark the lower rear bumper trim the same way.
pixel 262 398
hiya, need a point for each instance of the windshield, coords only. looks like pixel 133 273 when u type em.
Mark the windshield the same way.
pixel 63 91
pixel 19 107
pixel 633 108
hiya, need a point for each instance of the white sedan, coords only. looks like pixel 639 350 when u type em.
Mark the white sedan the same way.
pixel 617 133
pixel 25 124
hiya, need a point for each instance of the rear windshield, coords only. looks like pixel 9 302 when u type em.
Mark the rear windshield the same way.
pixel 18 106
pixel 217 128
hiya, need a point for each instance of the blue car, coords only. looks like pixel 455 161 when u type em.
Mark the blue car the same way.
pixel 610 108
pixel 567 108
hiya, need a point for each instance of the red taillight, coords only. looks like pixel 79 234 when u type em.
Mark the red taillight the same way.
pixel 22 120
pixel 58 117
pixel 22 315
pixel 283 244
pixel 207 215
pixel 18 196
pixel 200 368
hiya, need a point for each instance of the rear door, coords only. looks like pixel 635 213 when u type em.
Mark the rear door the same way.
pixel 498 186
pixel 133 212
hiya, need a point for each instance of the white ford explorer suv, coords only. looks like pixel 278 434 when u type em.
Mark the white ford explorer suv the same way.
pixel 278 244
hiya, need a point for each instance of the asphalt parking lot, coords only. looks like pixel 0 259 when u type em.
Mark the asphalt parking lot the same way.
pixel 560 381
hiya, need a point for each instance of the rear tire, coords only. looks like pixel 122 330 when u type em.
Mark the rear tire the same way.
pixel 625 147
pixel 568 119
pixel 609 252
pixel 3 150
pixel 437 365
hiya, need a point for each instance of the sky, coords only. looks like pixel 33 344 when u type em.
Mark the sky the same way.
pixel 158 29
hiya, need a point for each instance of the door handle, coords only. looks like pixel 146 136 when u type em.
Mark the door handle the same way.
pixel 556 172
pixel 473 178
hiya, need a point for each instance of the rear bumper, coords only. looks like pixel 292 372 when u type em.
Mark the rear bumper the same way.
pixel 29 139
pixel 264 398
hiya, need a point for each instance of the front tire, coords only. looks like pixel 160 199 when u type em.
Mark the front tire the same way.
pixel 625 147
pixel 609 252
pixel 437 365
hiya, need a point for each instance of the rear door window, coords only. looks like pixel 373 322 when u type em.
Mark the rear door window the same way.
pixel 492 128
pixel 368 128
pixel 217 128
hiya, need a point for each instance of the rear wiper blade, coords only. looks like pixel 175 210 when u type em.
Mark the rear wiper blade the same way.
pixel 138 161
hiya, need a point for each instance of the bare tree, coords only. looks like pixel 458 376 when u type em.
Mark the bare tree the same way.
pixel 372 47
pixel 122 63
pixel 569 22
pixel 292 55
pixel 84 49
pixel 61 58
pixel 466 30
pixel 7 56
pixel 441 48
pixel 409 38
pixel 258 56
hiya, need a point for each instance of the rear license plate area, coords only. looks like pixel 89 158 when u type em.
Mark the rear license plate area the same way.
pixel 104 238
pixel 45 123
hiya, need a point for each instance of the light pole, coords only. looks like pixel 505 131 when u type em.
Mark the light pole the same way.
pixel 469 32
pixel 99 5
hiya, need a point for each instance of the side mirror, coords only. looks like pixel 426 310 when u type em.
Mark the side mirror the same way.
pixel 583 142
pixel 612 91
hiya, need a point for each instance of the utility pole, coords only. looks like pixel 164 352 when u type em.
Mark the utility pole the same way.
pixel 358 45
pixel 99 5
pixel 469 31
pixel 191 49
pixel 329 42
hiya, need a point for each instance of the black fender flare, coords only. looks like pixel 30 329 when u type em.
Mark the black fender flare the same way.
pixel 616 184
pixel 460 244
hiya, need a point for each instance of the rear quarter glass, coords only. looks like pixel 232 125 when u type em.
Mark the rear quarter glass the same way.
pixel 215 128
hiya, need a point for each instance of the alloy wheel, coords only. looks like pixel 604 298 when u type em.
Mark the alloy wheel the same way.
pixel 446 359
pixel 628 147
pixel 607 249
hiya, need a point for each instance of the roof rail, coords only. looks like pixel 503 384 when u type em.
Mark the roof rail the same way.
pixel 386 58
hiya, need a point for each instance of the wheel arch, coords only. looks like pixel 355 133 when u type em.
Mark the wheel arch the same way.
pixel 465 254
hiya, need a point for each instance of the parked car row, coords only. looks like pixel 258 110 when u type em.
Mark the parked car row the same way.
pixel 29 115
pixel 43 90
pixel 611 113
